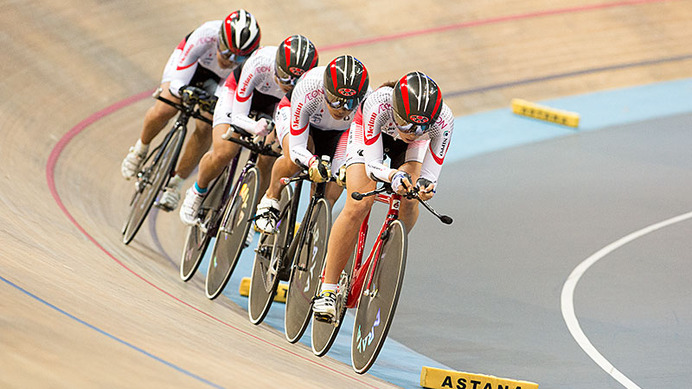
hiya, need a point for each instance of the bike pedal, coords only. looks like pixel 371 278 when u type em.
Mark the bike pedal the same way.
pixel 324 318
pixel 162 207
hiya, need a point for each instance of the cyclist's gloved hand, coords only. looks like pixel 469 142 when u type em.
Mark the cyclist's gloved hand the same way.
pixel 401 182
pixel 341 176
pixel 263 127
pixel 426 188
pixel 319 170
pixel 189 93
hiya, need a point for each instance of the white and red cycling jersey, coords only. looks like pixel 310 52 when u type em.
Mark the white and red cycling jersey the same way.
pixel 375 117
pixel 197 49
pixel 308 108
pixel 237 96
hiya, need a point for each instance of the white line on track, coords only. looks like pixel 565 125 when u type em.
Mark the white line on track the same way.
pixel 567 297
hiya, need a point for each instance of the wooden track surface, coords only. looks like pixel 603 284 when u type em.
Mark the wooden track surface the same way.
pixel 67 60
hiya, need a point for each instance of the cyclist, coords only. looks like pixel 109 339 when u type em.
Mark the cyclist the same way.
pixel 203 59
pixel 410 124
pixel 317 118
pixel 266 77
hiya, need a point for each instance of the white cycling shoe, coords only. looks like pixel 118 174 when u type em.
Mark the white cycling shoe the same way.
pixel 324 306
pixel 267 215
pixel 169 199
pixel 190 207
pixel 132 162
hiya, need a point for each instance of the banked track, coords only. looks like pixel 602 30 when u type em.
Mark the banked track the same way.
pixel 79 309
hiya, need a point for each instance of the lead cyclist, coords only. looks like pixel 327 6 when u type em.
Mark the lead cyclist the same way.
pixel 409 123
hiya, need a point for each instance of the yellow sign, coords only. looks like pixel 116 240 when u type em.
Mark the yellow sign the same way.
pixel 434 378
pixel 281 290
pixel 541 112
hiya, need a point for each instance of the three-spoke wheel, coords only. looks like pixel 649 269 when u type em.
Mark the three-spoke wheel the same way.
pixel 151 178
pixel 268 262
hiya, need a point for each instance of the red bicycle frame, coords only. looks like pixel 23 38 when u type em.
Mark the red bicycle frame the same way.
pixel 360 269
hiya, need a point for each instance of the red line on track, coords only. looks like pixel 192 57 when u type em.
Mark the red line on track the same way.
pixel 50 177
pixel 482 22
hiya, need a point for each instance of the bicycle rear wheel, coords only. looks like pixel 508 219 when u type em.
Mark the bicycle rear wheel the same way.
pixel 377 303
pixel 149 183
pixel 198 238
pixel 265 269
pixel 323 334
pixel 230 238
pixel 307 270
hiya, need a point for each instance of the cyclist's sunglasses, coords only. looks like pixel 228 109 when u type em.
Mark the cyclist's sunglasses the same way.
pixel 339 102
pixel 226 52
pixel 409 128
pixel 285 78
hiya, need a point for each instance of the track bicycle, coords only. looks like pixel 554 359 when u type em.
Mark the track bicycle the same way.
pixel 238 214
pixel 371 286
pixel 225 213
pixel 158 165
pixel 276 254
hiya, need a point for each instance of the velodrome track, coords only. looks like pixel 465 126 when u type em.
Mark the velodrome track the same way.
pixel 79 309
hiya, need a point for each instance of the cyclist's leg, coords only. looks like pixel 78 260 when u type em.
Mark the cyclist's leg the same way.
pixel 220 155
pixel 283 167
pixel 267 209
pixel 264 164
pixel 158 115
pixel 155 120
pixel 197 144
pixel 344 234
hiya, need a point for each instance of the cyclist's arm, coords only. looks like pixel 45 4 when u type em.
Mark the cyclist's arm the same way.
pixel 441 137
pixel 301 109
pixel 194 48
pixel 242 99
pixel 371 121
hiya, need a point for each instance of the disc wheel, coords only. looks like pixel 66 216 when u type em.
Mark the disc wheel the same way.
pixel 378 301
pixel 230 238
pixel 306 271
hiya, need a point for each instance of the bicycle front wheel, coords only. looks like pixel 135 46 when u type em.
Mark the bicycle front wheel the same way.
pixel 378 300
pixel 268 258
pixel 234 227
pixel 307 270
pixel 150 181
pixel 198 238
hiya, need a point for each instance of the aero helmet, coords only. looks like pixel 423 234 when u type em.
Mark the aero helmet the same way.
pixel 345 82
pixel 295 56
pixel 239 34
pixel 417 101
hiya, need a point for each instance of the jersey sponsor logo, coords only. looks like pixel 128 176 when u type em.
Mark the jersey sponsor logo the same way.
pixel 437 159
pixel 348 92
pixel 296 118
pixel 418 119
pixel 243 90
pixel 263 69
pixel 313 94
